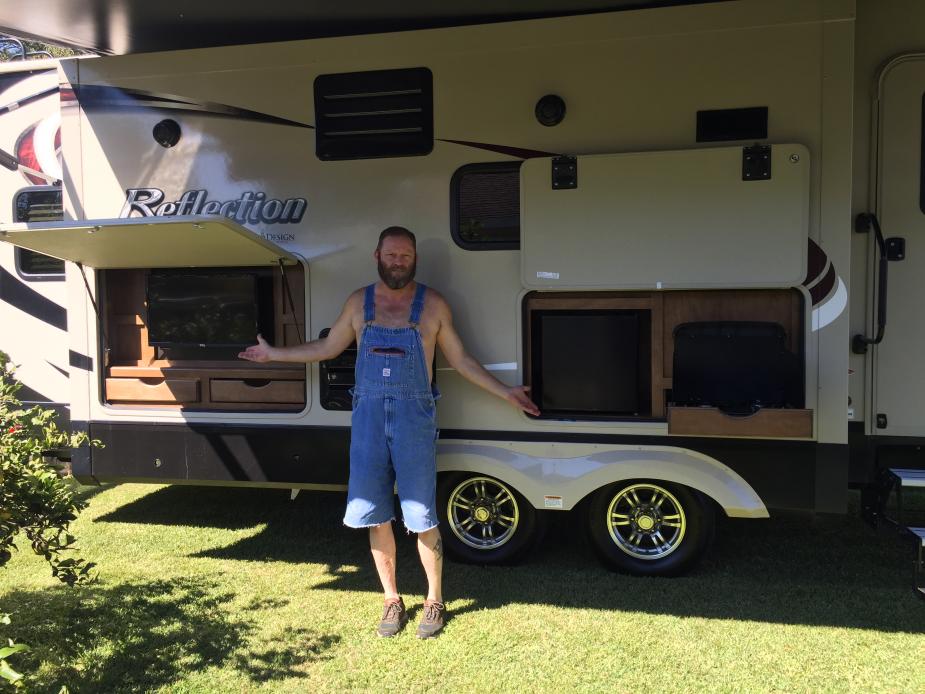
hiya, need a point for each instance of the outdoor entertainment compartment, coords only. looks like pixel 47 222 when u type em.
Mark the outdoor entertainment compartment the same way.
pixel 174 335
pixel 611 355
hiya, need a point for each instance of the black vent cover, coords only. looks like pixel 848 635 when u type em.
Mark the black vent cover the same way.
pixel 38 205
pixel 41 204
pixel 383 113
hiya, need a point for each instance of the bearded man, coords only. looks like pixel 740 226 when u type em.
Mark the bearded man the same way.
pixel 397 324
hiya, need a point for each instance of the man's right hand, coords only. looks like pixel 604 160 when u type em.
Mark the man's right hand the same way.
pixel 261 352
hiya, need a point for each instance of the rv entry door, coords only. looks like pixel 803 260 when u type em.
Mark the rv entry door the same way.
pixel 899 369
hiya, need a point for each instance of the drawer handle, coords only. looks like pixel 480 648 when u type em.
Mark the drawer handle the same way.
pixel 153 381
pixel 256 382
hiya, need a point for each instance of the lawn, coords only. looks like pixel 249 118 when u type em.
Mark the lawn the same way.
pixel 237 590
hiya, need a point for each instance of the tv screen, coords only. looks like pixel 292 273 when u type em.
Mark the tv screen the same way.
pixel 588 363
pixel 201 308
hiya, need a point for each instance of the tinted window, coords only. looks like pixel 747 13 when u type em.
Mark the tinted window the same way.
pixel 38 205
pixel 485 206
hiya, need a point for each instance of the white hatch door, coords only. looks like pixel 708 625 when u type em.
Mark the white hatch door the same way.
pixel 142 242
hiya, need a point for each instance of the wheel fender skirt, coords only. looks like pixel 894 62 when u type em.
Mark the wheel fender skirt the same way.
pixel 544 471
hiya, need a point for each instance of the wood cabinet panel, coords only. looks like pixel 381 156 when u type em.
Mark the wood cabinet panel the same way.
pixel 765 423
pixel 269 391
pixel 164 390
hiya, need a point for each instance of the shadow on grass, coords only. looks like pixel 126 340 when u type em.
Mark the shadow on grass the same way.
pixel 793 569
pixel 140 636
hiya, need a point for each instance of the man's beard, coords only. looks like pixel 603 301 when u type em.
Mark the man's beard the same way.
pixel 397 278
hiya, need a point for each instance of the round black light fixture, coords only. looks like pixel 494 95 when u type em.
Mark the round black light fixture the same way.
pixel 550 110
pixel 167 133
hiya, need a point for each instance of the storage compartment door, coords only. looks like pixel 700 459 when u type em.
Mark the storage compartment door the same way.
pixel 682 219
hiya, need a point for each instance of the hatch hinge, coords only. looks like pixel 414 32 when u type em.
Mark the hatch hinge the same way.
pixel 756 163
pixel 564 172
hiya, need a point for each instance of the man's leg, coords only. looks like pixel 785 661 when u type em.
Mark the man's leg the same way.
pixel 382 544
pixel 430 547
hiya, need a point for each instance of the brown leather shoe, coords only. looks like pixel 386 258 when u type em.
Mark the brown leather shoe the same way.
pixel 394 618
pixel 432 621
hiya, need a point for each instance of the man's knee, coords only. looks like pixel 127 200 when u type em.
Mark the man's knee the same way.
pixel 429 535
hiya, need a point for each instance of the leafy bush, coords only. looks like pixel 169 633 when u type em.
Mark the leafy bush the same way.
pixel 35 500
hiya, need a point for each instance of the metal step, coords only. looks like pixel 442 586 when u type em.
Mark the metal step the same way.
pixel 909 478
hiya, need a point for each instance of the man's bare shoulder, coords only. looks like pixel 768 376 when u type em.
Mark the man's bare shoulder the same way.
pixel 435 301
pixel 353 308
pixel 355 300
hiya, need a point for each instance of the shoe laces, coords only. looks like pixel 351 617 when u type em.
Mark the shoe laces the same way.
pixel 392 610
pixel 432 610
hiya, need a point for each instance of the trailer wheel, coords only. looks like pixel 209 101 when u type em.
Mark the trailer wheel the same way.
pixel 650 528
pixel 487 521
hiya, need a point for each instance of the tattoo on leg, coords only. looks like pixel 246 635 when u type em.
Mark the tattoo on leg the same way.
pixel 438 548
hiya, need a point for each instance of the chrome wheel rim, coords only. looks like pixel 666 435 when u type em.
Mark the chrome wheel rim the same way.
pixel 483 513
pixel 646 521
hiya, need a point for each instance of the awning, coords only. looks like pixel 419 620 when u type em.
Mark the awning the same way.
pixel 140 26
pixel 144 242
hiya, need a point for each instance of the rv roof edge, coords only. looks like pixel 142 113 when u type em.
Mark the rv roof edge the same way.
pixel 187 241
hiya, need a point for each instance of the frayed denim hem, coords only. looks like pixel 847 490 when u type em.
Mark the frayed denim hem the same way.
pixel 369 525
pixel 418 532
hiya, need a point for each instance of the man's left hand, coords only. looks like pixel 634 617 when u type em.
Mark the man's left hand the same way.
pixel 517 396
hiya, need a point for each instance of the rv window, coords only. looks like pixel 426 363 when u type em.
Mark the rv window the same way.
pixel 38 204
pixel 382 113
pixel 485 206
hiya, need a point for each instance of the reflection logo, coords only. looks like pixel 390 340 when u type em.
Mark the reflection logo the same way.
pixel 250 207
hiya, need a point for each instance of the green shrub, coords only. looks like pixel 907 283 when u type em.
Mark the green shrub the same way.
pixel 35 500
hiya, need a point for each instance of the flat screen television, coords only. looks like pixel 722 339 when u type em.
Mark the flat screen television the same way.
pixel 202 308
pixel 591 364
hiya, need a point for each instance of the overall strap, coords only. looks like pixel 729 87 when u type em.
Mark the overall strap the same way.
pixel 369 304
pixel 417 305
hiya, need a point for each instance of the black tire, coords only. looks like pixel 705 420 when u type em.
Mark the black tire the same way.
pixel 650 528
pixel 484 520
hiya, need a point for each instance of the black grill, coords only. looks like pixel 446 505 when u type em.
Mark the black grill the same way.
pixel 366 115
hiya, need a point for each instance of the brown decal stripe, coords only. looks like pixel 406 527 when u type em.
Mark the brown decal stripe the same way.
pixel 518 152
pixel 815 262
pixel 821 290
pixel 96 96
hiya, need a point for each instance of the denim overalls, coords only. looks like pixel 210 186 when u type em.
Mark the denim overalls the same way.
pixel 393 430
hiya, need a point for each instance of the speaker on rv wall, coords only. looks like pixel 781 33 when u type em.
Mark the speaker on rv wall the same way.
pixel 167 133
pixel 550 110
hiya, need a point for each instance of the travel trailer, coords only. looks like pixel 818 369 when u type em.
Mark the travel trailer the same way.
pixel 668 222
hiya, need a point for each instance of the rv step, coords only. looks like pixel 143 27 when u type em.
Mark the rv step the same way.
pixel 908 478
pixel 919 535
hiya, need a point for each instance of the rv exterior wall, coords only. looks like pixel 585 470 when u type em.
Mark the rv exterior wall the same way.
pixel 633 83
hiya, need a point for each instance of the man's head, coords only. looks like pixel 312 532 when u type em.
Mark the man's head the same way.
pixel 396 256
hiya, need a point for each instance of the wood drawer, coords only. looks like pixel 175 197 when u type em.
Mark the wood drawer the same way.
pixel 257 390
pixel 767 423
pixel 166 390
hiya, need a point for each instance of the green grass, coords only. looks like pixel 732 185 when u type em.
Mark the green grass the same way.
pixel 235 590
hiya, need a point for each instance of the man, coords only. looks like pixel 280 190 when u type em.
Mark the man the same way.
pixel 397 324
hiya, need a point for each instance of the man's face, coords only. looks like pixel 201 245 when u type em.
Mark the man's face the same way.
pixel 397 261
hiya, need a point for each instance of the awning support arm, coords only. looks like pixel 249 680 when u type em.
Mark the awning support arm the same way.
pixel 96 310
pixel 295 318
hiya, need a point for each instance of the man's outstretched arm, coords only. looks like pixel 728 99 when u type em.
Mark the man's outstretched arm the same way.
pixel 462 361
pixel 338 339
